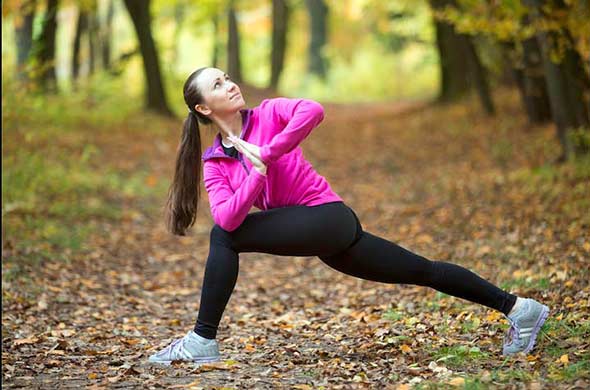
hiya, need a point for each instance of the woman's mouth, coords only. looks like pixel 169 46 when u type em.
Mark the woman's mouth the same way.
pixel 235 96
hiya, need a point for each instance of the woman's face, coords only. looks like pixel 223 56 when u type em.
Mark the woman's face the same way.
pixel 220 94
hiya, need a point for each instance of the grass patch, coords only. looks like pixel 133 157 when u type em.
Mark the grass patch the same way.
pixel 458 356
pixel 526 284
pixel 571 371
pixel 393 315
pixel 563 329
pixel 56 185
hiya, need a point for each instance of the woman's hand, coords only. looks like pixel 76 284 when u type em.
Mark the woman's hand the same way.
pixel 251 151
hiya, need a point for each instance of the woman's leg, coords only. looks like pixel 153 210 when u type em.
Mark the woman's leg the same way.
pixel 321 230
pixel 373 258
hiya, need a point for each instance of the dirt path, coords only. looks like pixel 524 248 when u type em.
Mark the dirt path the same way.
pixel 412 177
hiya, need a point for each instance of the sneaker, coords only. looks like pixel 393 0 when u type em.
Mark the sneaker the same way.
pixel 192 348
pixel 525 324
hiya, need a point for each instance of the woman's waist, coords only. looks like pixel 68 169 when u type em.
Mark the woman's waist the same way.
pixel 280 193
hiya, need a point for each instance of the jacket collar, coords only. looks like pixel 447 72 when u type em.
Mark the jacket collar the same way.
pixel 213 152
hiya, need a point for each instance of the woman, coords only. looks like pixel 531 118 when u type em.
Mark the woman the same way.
pixel 255 160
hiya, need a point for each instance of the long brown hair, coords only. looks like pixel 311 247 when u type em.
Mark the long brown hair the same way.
pixel 185 190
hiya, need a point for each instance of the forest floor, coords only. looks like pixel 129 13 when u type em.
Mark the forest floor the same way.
pixel 448 183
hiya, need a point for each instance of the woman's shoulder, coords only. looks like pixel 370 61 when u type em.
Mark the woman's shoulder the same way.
pixel 279 105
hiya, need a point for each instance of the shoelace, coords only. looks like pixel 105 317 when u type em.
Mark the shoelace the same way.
pixel 513 332
pixel 176 349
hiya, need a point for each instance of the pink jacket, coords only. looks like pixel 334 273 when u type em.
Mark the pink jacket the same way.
pixel 278 126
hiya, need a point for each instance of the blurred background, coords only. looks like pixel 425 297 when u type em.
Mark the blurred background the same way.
pixel 474 114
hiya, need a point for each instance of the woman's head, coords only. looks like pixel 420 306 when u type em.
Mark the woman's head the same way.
pixel 209 95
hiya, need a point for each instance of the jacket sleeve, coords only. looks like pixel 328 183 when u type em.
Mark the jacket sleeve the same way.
pixel 300 116
pixel 229 208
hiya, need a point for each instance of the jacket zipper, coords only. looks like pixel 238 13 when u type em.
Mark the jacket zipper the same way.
pixel 217 155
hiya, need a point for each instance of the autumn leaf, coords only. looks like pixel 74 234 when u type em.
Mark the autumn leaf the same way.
pixel 564 359
pixel 457 381
pixel 25 341
pixel 405 348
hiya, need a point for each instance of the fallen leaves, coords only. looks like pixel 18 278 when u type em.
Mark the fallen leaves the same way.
pixel 457 381
pixel 564 359
pixel 303 325
pixel 25 341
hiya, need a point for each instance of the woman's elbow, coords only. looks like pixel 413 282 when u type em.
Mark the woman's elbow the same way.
pixel 316 110
pixel 227 224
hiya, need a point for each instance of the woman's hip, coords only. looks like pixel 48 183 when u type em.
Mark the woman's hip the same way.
pixel 298 230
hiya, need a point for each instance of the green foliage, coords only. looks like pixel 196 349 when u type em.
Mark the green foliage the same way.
pixel 579 139
pixel 54 191
pixel 503 21
pixel 526 284
pixel 368 77
pixel 397 24
pixel 393 315
pixel 457 356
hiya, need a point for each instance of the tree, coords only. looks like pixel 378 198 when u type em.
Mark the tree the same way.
pixel 234 67
pixel 81 27
pixel 139 10
pixel 552 35
pixel 24 35
pixel 216 43
pixel 566 78
pixel 106 35
pixel 44 49
pixel 180 9
pixel 530 79
pixel 280 17
pixel 461 68
pixel 93 38
pixel 318 13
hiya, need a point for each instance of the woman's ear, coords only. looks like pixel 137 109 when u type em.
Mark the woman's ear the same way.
pixel 203 109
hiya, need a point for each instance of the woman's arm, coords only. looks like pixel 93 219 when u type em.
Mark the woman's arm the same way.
pixel 300 116
pixel 229 208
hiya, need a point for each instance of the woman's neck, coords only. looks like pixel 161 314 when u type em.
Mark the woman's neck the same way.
pixel 230 126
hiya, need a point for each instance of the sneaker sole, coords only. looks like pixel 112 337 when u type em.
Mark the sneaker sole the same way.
pixel 537 328
pixel 197 360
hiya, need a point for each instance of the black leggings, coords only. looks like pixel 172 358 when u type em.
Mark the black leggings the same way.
pixel 332 232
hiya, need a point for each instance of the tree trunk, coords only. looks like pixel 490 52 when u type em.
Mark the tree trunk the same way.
pixel 216 43
pixel 454 70
pixel 44 48
pixel 234 67
pixel 107 32
pixel 155 95
pixel 179 12
pixel 461 68
pixel 318 13
pixel 280 17
pixel 578 80
pixel 566 89
pixel 531 81
pixel 93 41
pixel 81 27
pixel 24 37
pixel 478 74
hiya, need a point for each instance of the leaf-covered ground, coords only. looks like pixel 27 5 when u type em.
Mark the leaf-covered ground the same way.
pixel 445 182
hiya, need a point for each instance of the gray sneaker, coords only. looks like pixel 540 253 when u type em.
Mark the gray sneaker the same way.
pixel 524 327
pixel 192 348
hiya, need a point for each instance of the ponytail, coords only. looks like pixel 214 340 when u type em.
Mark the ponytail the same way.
pixel 185 190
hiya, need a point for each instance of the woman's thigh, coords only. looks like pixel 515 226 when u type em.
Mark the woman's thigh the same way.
pixel 299 230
